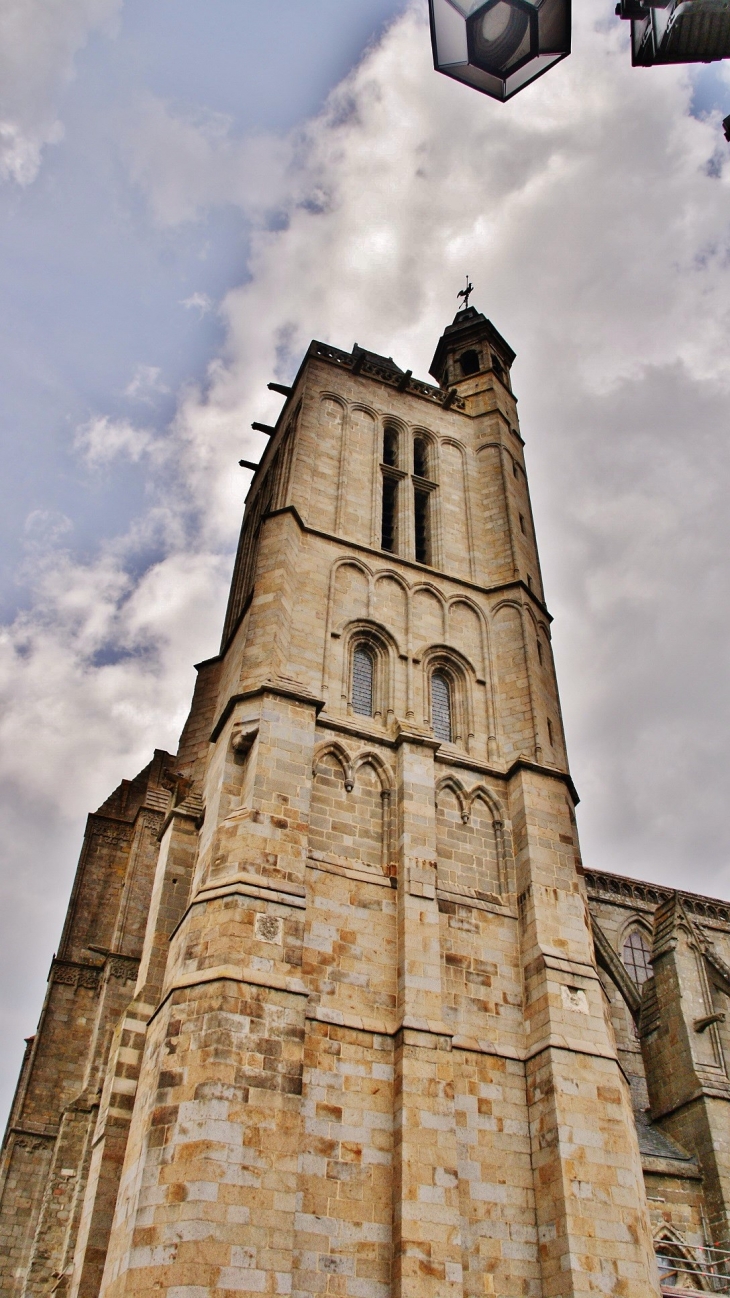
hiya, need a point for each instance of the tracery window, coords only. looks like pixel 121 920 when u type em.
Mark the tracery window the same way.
pixel 362 681
pixel 636 956
pixel 441 707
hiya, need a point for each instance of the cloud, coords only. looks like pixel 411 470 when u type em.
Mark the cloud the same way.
pixel 187 162
pixel 198 301
pixel 102 439
pixel 591 213
pixel 146 384
pixel 39 40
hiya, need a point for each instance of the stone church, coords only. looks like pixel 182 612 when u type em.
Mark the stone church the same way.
pixel 337 1010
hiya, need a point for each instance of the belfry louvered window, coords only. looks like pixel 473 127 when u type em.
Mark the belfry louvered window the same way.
pixel 389 529
pixel 362 681
pixel 441 707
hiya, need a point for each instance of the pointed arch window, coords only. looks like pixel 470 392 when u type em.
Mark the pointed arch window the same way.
pixel 390 446
pixel 441 707
pixel 636 956
pixel 362 681
pixel 420 457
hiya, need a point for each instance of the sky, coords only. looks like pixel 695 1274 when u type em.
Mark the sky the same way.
pixel 188 194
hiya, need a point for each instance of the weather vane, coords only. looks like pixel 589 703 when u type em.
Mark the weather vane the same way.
pixel 466 292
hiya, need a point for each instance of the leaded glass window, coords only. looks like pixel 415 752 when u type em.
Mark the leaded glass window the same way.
pixel 637 957
pixel 362 681
pixel 441 707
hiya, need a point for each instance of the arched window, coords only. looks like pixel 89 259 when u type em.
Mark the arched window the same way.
pixel 390 447
pixel 469 362
pixel 637 956
pixel 362 681
pixel 441 707
pixel 422 523
pixel 389 521
pixel 420 457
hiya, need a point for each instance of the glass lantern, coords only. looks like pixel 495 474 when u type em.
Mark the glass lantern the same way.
pixel 682 31
pixel 498 46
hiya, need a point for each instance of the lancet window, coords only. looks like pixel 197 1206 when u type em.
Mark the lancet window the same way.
pixel 636 956
pixel 362 680
pixel 389 511
pixel 441 707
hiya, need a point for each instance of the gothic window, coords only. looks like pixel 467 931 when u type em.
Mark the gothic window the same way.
pixel 421 511
pixel 441 707
pixel 637 957
pixel 390 446
pixel 420 457
pixel 362 681
pixel 389 526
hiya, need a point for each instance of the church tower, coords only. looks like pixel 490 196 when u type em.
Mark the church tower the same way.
pixel 366 1052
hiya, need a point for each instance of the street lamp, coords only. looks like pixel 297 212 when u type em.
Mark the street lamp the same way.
pixel 498 46
pixel 677 31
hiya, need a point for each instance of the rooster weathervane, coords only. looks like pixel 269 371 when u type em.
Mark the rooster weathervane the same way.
pixel 466 292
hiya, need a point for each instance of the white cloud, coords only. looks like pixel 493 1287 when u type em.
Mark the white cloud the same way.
pixel 189 162
pixel 102 439
pixel 591 213
pixel 199 302
pixel 146 384
pixel 39 40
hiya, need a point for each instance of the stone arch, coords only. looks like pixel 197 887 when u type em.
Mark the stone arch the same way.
pixel 380 610
pixel 367 572
pixel 432 443
pixel 370 758
pixel 401 428
pixel 456 667
pixel 330 438
pixel 380 766
pixel 459 792
pixel 340 754
pixel 491 799
pixel 385 650
pixel 457 533
pixel 635 923
pixel 669 1244
pixel 468 841
pixel 359 476
pixel 428 588
pixel 486 675
pixel 365 409
pixel 513 688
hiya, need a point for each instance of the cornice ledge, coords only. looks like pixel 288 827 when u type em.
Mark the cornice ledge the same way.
pixel 408 733
pixel 232 973
pixel 525 764
pixel 284 686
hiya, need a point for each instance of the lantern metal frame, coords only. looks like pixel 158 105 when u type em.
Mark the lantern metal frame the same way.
pixel 459 53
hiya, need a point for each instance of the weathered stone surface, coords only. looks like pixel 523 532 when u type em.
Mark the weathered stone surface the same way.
pixel 326 1017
